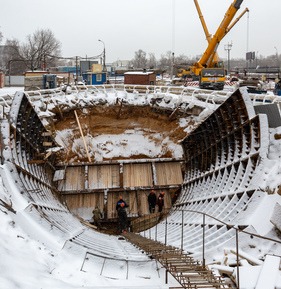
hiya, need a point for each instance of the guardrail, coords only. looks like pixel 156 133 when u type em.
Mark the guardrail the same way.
pixel 209 96
pixel 238 229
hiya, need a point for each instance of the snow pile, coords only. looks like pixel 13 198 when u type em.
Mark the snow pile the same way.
pixel 130 143
pixel 273 163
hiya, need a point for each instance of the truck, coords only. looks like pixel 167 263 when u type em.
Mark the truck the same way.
pixel 212 78
pixel 209 69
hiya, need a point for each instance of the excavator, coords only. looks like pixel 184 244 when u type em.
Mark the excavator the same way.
pixel 209 69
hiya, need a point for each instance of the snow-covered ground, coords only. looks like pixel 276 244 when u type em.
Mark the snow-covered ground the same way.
pixel 10 90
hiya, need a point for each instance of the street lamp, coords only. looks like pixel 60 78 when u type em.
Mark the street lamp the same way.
pixel 103 66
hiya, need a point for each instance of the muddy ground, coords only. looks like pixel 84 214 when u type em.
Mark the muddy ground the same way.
pixel 114 120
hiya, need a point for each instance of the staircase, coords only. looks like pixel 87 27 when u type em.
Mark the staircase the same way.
pixel 188 272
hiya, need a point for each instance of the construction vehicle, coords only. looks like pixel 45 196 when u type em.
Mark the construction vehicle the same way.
pixel 209 69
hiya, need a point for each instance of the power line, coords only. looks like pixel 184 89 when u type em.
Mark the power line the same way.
pixel 74 57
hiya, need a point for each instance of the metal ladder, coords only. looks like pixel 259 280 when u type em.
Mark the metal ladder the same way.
pixel 187 271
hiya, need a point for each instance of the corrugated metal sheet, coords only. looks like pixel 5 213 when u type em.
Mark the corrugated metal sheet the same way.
pixel 168 173
pixel 137 175
pixel 106 176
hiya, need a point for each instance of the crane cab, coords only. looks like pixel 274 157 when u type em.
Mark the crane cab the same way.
pixel 212 78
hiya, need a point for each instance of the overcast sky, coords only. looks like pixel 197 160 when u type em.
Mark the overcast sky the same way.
pixel 155 26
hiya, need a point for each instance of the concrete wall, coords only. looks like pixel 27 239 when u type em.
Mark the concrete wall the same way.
pixel 14 80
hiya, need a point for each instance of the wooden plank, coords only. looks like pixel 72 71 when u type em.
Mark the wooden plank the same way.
pixel 46 133
pixel 143 208
pixel 133 204
pixel 137 175
pixel 81 132
pixel 47 144
pixel 89 201
pixel 112 199
pixel 168 173
pixel 103 176
pixel 74 179
pixel 37 162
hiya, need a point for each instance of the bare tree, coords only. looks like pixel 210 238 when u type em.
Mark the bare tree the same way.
pixel 183 59
pixel 41 49
pixel 12 59
pixel 165 61
pixel 151 62
pixel 139 60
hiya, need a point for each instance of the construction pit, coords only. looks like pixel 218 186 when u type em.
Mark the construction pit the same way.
pixel 213 154
pixel 115 147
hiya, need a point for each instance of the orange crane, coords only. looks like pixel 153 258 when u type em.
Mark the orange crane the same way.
pixel 209 68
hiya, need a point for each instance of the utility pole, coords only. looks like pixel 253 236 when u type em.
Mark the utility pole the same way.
pixel 228 47
pixel 76 78
pixel 104 65
pixel 172 65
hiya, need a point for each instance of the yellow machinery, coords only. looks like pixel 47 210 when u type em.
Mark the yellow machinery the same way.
pixel 209 69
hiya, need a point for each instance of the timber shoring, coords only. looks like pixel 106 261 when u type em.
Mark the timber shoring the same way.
pixel 190 273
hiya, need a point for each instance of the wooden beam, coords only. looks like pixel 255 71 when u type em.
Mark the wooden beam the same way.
pixel 47 144
pixel 119 112
pixel 46 133
pixel 37 162
pixel 81 132
pixel 172 116
pixel 122 189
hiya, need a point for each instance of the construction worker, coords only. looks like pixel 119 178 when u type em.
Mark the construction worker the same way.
pixel 121 206
pixel 160 201
pixel 97 215
pixel 152 201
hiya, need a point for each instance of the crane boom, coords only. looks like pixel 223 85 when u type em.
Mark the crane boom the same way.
pixel 215 60
pixel 208 35
pixel 236 20
pixel 210 51
pixel 205 28
pixel 209 69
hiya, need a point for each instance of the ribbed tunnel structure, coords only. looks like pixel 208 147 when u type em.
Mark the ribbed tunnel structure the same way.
pixel 223 164
pixel 221 189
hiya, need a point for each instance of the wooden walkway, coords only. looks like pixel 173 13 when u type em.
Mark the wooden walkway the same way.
pixel 188 272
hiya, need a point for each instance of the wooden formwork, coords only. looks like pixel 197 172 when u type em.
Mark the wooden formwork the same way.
pixel 168 173
pixel 103 177
pixel 137 175
pixel 85 186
